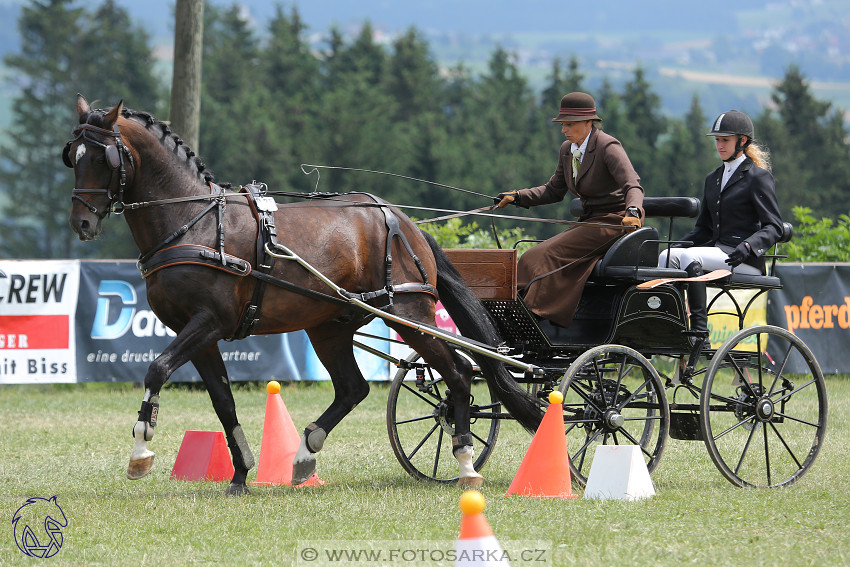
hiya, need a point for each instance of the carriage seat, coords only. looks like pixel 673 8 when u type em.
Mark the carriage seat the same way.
pixel 635 255
pixel 768 280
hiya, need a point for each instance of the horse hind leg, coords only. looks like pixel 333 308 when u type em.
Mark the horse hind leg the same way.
pixel 457 373
pixel 333 348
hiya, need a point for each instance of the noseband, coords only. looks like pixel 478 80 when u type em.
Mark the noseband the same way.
pixel 115 153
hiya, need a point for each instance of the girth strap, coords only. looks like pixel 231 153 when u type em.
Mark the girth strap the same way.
pixel 193 254
pixel 263 208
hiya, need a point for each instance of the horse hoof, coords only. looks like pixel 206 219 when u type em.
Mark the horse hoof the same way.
pixel 303 470
pixel 234 489
pixel 139 468
pixel 470 482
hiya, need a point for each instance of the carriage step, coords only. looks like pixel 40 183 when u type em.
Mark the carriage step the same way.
pixel 685 426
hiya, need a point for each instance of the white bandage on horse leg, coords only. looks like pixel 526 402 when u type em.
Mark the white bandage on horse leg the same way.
pixel 466 457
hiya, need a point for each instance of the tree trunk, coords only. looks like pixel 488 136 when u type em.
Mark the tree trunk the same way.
pixel 186 81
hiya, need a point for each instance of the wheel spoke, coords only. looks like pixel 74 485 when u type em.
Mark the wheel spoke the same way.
pixel 413 419
pixel 781 369
pixel 744 451
pixel 437 453
pixel 787 448
pixel 424 439
pixel 419 395
pixel 766 454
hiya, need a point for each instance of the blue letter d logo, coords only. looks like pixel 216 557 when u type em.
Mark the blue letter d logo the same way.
pixel 102 328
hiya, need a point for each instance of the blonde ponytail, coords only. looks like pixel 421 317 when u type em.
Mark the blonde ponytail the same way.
pixel 759 155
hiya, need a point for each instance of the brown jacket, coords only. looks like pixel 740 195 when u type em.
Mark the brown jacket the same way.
pixel 607 181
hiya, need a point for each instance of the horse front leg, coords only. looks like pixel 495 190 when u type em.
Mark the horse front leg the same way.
pixel 210 366
pixel 196 336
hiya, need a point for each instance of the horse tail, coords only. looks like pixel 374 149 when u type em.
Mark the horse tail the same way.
pixel 474 322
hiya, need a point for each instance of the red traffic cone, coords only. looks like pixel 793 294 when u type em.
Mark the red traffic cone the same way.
pixel 279 445
pixel 203 455
pixel 476 545
pixel 545 470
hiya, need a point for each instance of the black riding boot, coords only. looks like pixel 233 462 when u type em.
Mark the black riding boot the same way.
pixel 697 300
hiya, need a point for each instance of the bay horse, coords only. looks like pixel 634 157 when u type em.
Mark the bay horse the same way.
pixel 208 277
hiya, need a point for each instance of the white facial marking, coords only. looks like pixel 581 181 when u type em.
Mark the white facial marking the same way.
pixel 81 151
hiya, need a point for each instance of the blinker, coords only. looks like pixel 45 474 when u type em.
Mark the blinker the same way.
pixel 113 157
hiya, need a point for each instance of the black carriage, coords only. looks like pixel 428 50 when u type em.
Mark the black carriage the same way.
pixel 630 371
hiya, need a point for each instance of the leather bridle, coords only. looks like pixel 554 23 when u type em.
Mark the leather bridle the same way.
pixel 118 157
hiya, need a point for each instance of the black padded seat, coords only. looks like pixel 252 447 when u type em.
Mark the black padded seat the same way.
pixel 744 281
pixel 634 256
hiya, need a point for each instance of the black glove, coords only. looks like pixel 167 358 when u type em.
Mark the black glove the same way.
pixel 739 254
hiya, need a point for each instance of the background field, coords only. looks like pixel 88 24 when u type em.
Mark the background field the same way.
pixel 73 442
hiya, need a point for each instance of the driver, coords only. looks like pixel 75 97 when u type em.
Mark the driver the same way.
pixel 594 167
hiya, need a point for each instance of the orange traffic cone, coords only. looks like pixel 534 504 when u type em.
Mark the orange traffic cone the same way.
pixel 203 455
pixel 476 545
pixel 545 470
pixel 280 443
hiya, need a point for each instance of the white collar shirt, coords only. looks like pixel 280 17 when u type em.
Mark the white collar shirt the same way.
pixel 582 148
pixel 729 168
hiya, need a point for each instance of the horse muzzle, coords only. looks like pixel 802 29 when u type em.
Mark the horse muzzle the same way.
pixel 85 229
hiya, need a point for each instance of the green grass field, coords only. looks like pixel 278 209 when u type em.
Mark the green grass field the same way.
pixel 73 442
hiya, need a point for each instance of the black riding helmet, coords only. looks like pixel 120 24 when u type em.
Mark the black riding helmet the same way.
pixel 734 123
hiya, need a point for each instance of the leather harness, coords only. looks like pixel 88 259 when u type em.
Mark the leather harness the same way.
pixel 263 208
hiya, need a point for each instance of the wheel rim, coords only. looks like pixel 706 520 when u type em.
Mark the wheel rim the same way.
pixel 613 396
pixel 420 423
pixel 763 427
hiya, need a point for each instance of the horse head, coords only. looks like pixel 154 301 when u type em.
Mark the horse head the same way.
pixel 103 165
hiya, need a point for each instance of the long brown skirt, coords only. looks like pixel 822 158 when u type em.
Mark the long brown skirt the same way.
pixel 553 273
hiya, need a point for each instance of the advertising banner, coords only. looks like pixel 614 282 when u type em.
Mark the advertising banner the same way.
pixel 118 336
pixel 38 300
pixel 814 304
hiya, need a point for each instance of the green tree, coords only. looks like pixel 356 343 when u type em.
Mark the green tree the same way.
pixel 235 131
pixel 808 142
pixel 818 240
pixel 504 116
pixel 646 125
pixel 558 85
pixel 413 82
pixel 688 154
pixel 126 72
pixel 64 50
pixel 357 116
pixel 291 74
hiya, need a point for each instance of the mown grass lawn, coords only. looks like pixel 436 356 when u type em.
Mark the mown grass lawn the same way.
pixel 73 442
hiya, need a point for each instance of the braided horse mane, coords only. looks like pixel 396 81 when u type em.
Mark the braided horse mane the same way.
pixel 162 131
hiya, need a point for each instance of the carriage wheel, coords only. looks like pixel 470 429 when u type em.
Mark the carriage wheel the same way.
pixel 613 396
pixel 420 422
pixel 762 425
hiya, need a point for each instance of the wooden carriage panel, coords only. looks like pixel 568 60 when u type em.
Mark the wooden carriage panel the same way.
pixel 491 274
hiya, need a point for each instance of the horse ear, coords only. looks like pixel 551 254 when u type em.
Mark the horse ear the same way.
pixel 82 105
pixel 113 114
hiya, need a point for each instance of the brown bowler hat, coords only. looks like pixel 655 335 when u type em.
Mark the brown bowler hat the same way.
pixel 577 107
